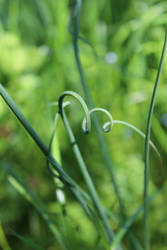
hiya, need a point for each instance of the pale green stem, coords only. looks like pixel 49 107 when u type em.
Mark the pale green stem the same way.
pixel 87 126
pixel 143 135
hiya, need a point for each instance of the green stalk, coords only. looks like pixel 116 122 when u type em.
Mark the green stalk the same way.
pixel 101 139
pixel 59 185
pixel 86 129
pixel 102 142
pixel 78 192
pixel 54 172
pixel 147 155
pixel 95 198
pixel 143 135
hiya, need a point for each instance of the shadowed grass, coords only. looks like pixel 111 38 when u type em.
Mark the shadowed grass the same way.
pixel 27 241
pixel 24 190
pixel 124 228
pixel 3 240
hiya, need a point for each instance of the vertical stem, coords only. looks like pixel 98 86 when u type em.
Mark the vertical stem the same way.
pixel 95 198
pixel 59 185
pixel 102 142
pixel 147 151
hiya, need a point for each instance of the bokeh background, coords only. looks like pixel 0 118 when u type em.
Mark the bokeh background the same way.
pixel 120 57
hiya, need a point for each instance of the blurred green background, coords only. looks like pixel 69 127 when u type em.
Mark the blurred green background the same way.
pixel 37 64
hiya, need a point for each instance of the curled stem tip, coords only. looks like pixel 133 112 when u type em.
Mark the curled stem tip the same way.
pixel 87 127
pixel 107 126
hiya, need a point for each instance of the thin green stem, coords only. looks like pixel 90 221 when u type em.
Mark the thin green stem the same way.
pixel 147 155
pixel 102 142
pixel 69 28
pixel 57 116
pixel 107 126
pixel 83 104
pixel 66 179
pixel 56 119
pixel 95 198
pixel 143 135
pixel 104 149
pixel 124 229
pixel 59 185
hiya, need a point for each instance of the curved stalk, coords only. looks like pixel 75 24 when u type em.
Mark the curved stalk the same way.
pixel 107 126
pixel 95 198
pixel 83 104
pixel 143 135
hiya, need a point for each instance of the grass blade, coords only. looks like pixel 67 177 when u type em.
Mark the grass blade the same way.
pixel 29 242
pixel 147 155
pixel 3 241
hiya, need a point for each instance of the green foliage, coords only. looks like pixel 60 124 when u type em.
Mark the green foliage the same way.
pixel 119 48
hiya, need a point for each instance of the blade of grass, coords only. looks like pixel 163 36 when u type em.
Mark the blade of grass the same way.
pixel 3 240
pixel 56 152
pixel 147 155
pixel 29 242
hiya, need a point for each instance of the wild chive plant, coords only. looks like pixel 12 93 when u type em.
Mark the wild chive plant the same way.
pixel 41 8
pixel 89 201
